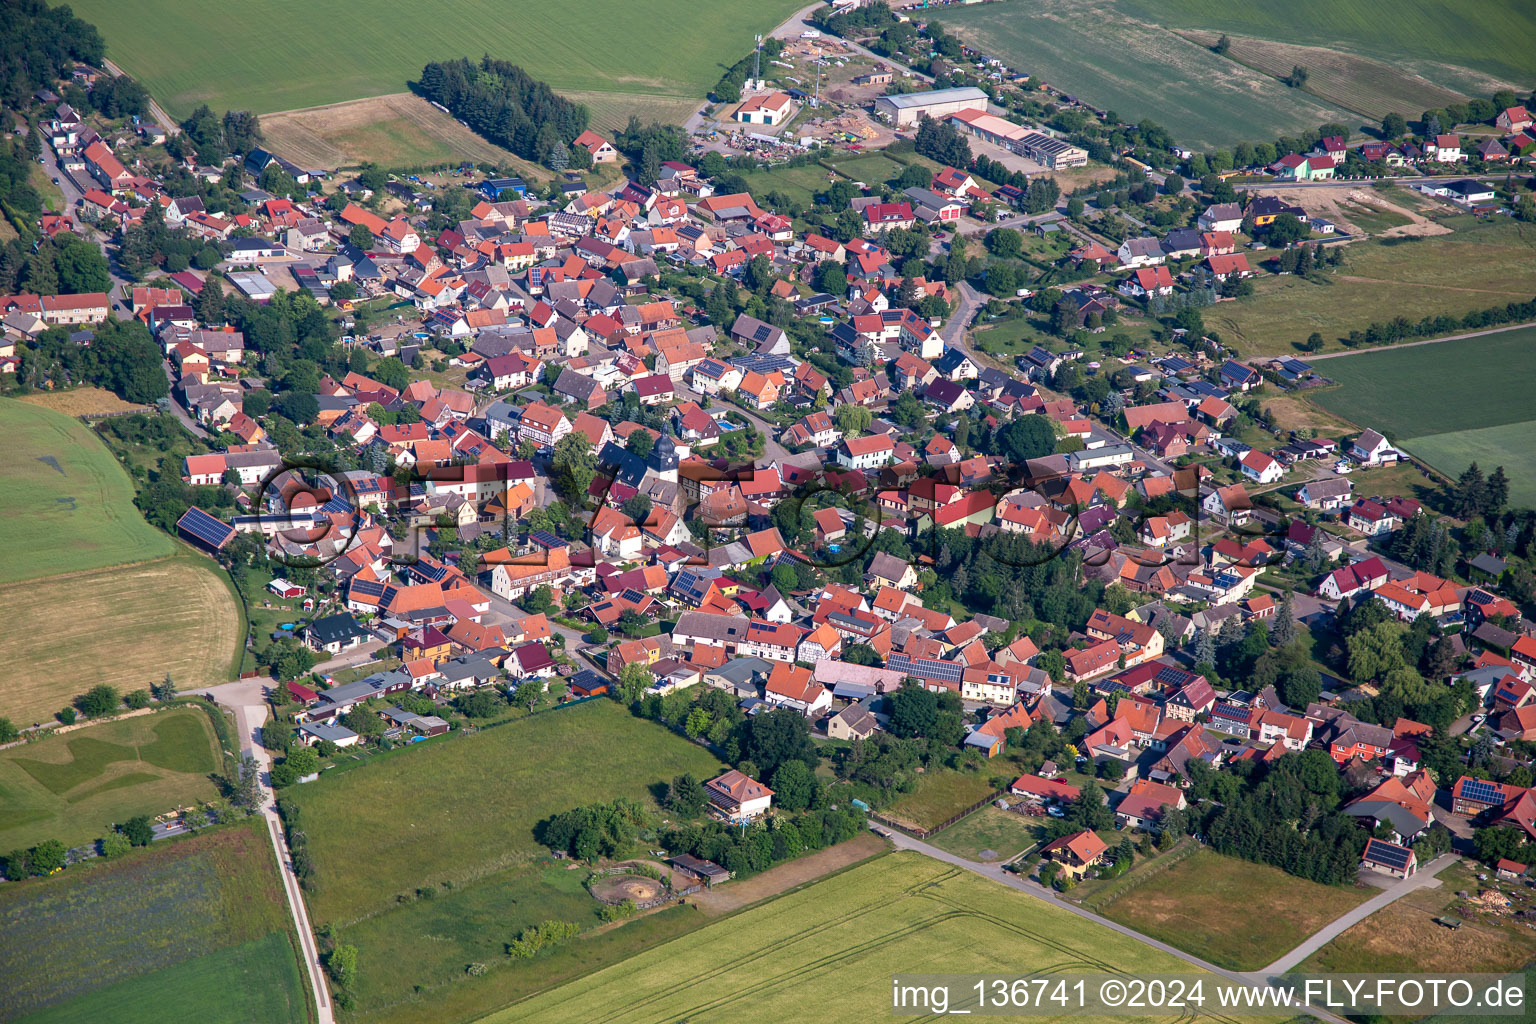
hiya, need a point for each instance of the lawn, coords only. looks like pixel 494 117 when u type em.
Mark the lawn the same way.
pixel 1120 58
pixel 66 503
pixel 189 54
pixel 1403 938
pixel 1207 905
pixel 827 952
pixel 128 626
pixel 941 794
pixel 191 929
pixel 1476 266
pixel 1004 833
pixel 463 809
pixel 74 787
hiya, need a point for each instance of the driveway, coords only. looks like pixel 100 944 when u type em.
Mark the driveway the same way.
pixel 245 698
pixel 1424 879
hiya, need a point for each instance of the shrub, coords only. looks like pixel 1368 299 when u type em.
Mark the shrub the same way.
pixel 542 936
pixel 617 911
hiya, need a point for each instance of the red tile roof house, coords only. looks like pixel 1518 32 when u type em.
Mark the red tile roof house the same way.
pixel 1033 787
pixel 1143 805
pixel 601 149
pixel 1076 853
pixel 737 797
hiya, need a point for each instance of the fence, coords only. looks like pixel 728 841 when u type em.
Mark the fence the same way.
pixel 924 833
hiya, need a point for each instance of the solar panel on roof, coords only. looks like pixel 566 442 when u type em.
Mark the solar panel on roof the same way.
pixel 1390 854
pixel 1481 791
pixel 545 539
pixel 336 505
pixel 1170 674
pixel 205 527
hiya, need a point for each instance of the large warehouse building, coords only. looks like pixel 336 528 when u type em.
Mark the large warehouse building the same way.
pixel 909 108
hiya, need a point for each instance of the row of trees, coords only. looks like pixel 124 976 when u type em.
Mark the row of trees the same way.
pixel 1401 328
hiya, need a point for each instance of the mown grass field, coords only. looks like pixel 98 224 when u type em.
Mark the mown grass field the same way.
pixel 74 787
pixel 1123 60
pixel 303 56
pixel 827 952
pixel 426 859
pixel 1004 833
pixel 1207 904
pixel 190 929
pixel 465 808
pixel 1403 938
pixel 1474 267
pixel 66 502
pixel 1458 45
pixel 127 626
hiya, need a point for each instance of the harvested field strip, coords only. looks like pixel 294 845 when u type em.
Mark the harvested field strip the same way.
pixel 128 626
pixel 396 130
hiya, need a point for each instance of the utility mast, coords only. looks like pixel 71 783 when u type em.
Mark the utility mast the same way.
pixel 757 62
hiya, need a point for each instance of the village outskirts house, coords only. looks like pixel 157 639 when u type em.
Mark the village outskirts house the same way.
pixel 737 798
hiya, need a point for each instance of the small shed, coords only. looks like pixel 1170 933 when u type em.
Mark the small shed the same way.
pixel 706 871
pixel 1510 870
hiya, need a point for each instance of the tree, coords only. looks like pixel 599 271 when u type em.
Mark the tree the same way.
pixel 342 964
pixel 1028 437
pixel 1394 126
pixel 1004 243
pixel 1173 185
pixel 360 237
pixel 115 844
pixel 573 466
pixel 686 796
pixel 779 736
pixel 794 786
pixel 98 700
pixel 47 857
pixel 831 277
pixel 139 830
pixel 8 731
pixel 853 420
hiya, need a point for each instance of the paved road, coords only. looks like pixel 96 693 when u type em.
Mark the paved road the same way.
pixel 246 700
pixel 163 119
pixel 120 294
pixel 1040 892
pixel 1424 879
pixel 953 331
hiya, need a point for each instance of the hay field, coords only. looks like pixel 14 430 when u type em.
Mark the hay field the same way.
pixel 827 952
pixel 611 111
pixel 287 54
pixel 395 130
pixel 464 808
pixel 127 626
pixel 65 503
pixel 74 787
pixel 1477 266
pixel 1201 905
pixel 82 401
